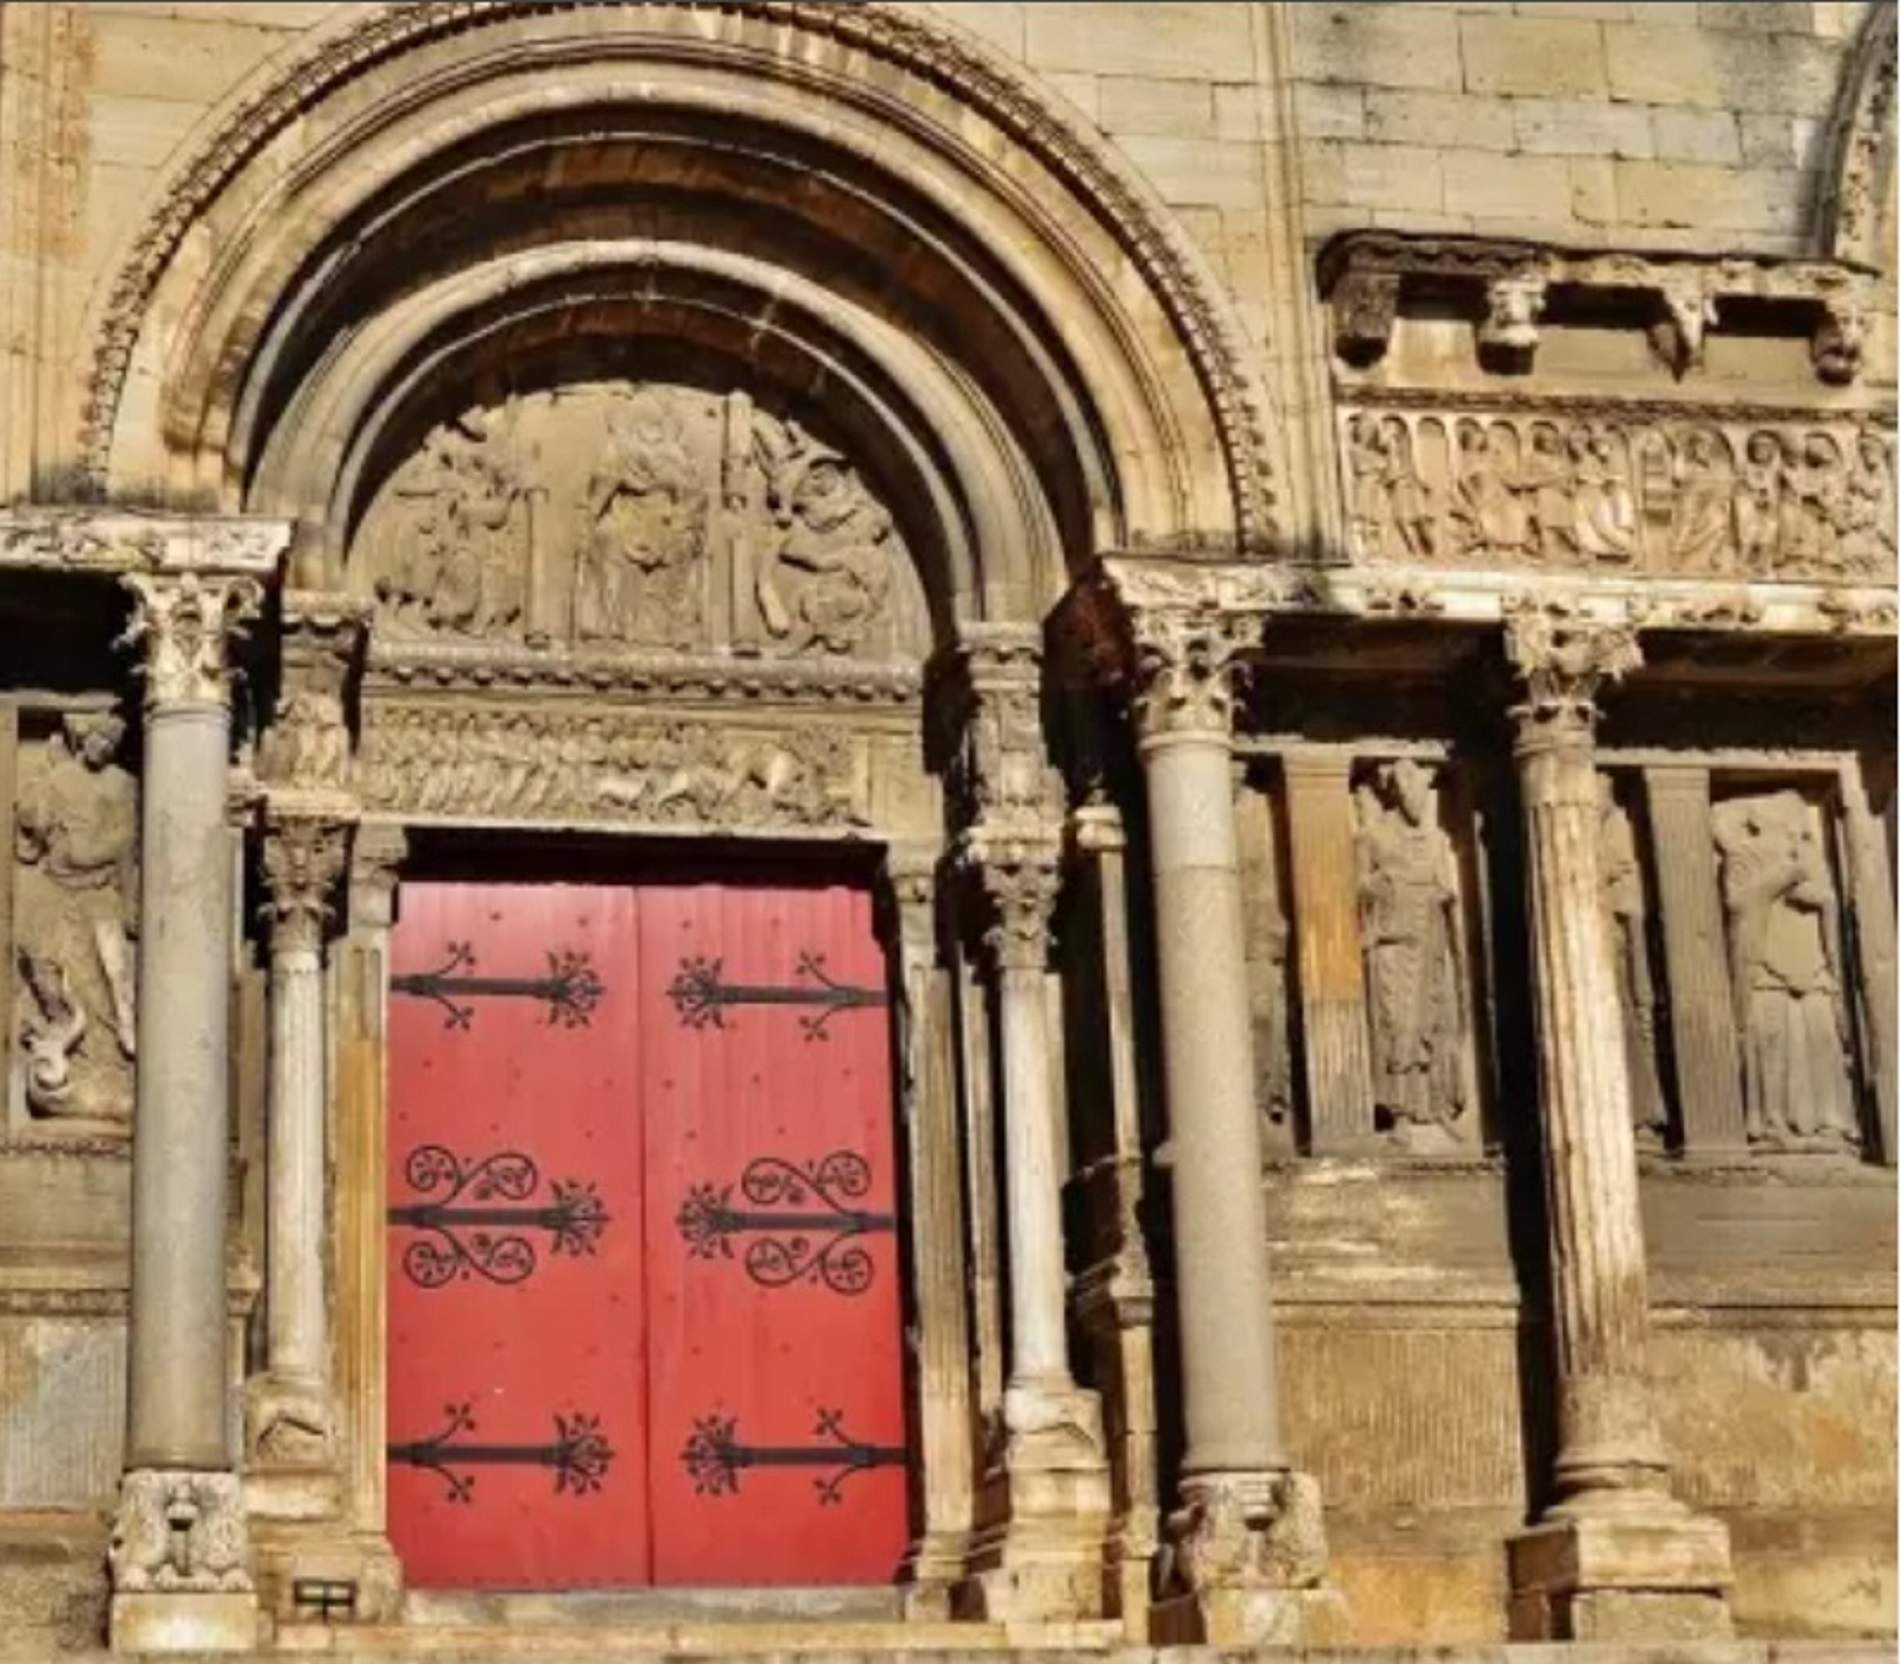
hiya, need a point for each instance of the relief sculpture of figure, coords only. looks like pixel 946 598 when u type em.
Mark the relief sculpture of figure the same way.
pixel 1758 504
pixel 1606 502
pixel 1549 477
pixel 1414 513
pixel 824 585
pixel 1623 908
pixel 1490 512
pixel 1700 529
pixel 1408 905
pixel 1369 499
pixel 643 542
pixel 76 838
pixel 1813 508
pixel 1868 547
pixel 1784 942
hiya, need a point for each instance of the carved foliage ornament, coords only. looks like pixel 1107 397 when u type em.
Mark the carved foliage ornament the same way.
pixel 1563 659
pixel 1611 490
pixel 303 859
pixel 1022 881
pixel 185 625
pixel 636 515
pixel 180 1531
pixel 542 765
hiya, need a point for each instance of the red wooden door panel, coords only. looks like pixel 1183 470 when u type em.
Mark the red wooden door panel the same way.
pixel 517 1434
pixel 775 1373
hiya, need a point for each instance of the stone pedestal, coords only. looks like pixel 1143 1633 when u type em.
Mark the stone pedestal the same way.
pixel 1046 1562
pixel 1616 1556
pixel 181 1568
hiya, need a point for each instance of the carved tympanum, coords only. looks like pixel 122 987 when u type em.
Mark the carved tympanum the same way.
pixel 1610 491
pixel 636 515
pixel 76 832
pixel 1414 952
pixel 1785 961
pixel 1626 911
pixel 552 765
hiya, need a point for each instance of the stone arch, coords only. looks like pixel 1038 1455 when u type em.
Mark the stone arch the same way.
pixel 1857 212
pixel 893 186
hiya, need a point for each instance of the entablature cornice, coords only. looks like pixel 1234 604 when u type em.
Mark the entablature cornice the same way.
pixel 114 542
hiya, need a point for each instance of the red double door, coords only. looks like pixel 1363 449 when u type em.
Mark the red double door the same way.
pixel 644 1319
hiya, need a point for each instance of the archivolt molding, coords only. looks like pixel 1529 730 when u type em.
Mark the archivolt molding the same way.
pixel 1176 274
pixel 1853 217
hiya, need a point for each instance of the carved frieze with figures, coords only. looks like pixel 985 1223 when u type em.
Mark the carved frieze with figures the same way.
pixel 652 516
pixel 557 765
pixel 75 876
pixel 1620 489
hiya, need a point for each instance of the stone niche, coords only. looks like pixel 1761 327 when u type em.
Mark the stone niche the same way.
pixel 606 516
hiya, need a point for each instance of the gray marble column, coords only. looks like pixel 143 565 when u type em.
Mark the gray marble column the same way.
pixel 290 1410
pixel 1248 1545
pixel 1616 1557
pixel 180 1552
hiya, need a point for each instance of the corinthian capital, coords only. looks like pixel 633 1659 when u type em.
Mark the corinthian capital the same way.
pixel 303 860
pixel 185 623
pixel 1563 659
pixel 1022 880
pixel 1187 662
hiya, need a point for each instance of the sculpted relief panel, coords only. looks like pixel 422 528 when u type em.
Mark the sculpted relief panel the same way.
pixel 75 873
pixel 1417 983
pixel 1626 911
pixel 1613 490
pixel 618 515
pixel 1786 965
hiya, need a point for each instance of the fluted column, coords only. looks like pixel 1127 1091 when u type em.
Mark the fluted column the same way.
pixel 181 1563
pixel 1247 1537
pixel 1617 1557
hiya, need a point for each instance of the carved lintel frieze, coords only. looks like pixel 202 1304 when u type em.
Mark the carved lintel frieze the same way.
pixel 180 1531
pixel 304 856
pixel 1021 878
pixel 1564 659
pixel 1503 283
pixel 110 542
pixel 185 625
pixel 433 759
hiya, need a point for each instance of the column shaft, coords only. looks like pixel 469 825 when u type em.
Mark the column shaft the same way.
pixel 1039 1351
pixel 298 1330
pixel 1230 1383
pixel 1334 1026
pixel 176 1386
pixel 1701 1004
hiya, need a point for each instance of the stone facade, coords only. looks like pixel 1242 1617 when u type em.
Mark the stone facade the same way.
pixel 1337 559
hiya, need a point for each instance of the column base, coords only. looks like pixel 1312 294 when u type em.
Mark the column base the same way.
pixel 1629 1573
pixel 183 1621
pixel 1045 1563
pixel 1250 1618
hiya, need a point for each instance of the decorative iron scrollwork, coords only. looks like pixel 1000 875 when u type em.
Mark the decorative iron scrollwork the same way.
pixel 714 1456
pixel 579 1454
pixel 701 997
pixel 472 1239
pixel 571 987
pixel 822 1246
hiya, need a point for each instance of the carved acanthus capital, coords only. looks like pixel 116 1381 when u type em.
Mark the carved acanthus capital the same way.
pixel 304 857
pixel 180 1531
pixel 1022 879
pixel 1563 658
pixel 185 623
pixel 1187 666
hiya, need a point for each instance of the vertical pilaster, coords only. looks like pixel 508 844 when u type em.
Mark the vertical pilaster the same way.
pixel 181 1559
pixel 1616 1557
pixel 1870 892
pixel 1701 1003
pixel 1247 1543
pixel 1335 1027
pixel 938 1559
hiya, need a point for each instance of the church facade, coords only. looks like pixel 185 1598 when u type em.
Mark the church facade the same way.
pixel 882 827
